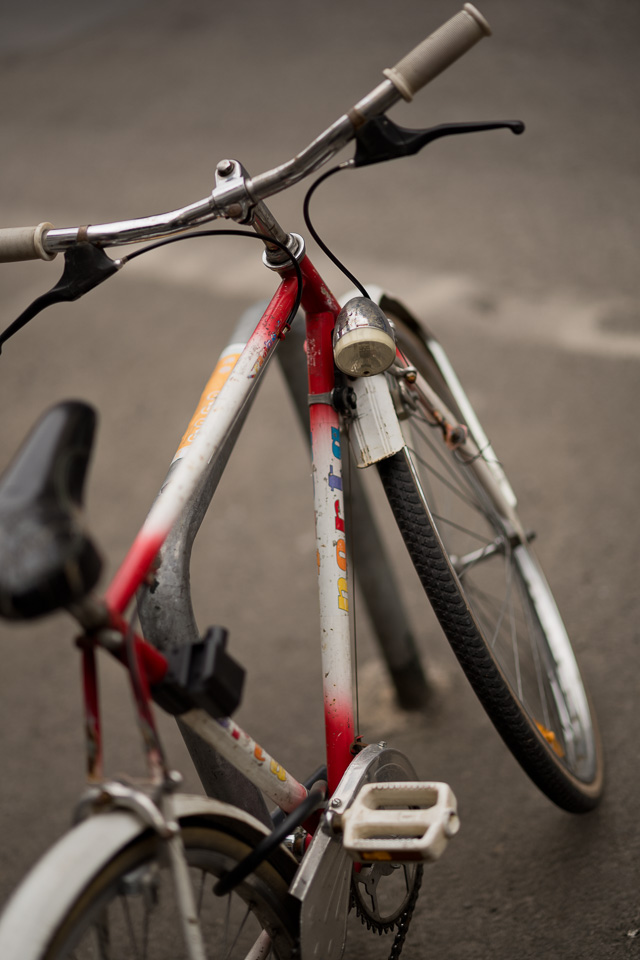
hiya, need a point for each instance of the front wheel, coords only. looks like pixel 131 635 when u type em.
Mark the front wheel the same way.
pixel 106 891
pixel 477 566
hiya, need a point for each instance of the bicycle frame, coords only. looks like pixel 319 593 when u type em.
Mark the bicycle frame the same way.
pixel 203 450
pixel 380 816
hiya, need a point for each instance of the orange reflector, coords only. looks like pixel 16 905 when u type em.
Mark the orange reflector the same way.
pixel 551 739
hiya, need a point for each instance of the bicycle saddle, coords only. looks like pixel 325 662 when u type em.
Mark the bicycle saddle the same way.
pixel 47 560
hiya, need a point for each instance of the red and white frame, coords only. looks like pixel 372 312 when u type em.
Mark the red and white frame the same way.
pixel 231 386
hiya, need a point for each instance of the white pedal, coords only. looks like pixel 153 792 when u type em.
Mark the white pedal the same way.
pixel 400 821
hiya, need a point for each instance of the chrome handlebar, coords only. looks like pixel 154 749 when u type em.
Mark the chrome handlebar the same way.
pixel 231 199
pixel 234 198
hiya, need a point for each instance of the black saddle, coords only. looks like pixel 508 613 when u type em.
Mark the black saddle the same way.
pixel 47 559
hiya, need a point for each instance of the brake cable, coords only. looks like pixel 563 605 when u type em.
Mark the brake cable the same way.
pixel 87 266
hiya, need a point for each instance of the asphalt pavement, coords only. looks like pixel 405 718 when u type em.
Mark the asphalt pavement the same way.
pixel 520 253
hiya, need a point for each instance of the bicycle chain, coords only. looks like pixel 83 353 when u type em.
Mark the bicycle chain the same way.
pixel 405 919
pixel 401 924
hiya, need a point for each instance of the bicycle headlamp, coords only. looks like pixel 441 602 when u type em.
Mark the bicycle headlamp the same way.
pixel 363 340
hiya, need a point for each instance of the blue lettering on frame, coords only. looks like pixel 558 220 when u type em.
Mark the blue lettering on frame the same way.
pixel 335 442
pixel 335 483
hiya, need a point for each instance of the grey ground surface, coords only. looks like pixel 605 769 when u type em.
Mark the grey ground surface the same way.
pixel 521 253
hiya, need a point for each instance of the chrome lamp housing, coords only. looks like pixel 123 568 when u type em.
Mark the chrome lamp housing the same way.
pixel 363 340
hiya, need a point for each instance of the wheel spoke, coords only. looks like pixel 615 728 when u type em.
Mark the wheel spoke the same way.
pixel 514 638
pixel 496 615
pixel 200 897
pixel 101 933
pixel 240 928
pixel 130 909
pixel 450 478
pixel 541 676
pixel 492 599
pixel 129 923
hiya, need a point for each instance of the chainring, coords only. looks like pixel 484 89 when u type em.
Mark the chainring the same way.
pixel 382 893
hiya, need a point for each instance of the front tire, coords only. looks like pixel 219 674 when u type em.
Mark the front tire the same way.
pixel 490 596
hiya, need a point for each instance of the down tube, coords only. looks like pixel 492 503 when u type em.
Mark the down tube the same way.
pixel 331 550
pixel 208 441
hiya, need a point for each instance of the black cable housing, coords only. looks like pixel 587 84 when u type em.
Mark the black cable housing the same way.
pixel 232 233
pixel 325 249
pixel 87 265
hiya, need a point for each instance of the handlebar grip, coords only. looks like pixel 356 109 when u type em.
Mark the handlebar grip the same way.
pixel 24 243
pixel 438 51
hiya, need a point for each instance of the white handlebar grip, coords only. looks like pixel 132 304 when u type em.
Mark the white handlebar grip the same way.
pixel 24 243
pixel 438 51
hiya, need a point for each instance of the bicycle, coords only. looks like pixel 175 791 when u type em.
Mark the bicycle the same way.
pixel 377 376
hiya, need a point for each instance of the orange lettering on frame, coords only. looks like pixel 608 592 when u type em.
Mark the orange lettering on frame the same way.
pixel 216 382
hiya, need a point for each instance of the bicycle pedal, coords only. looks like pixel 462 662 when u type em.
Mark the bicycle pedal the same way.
pixel 400 821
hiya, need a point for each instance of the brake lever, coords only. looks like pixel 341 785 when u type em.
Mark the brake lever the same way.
pixel 381 139
pixel 85 266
